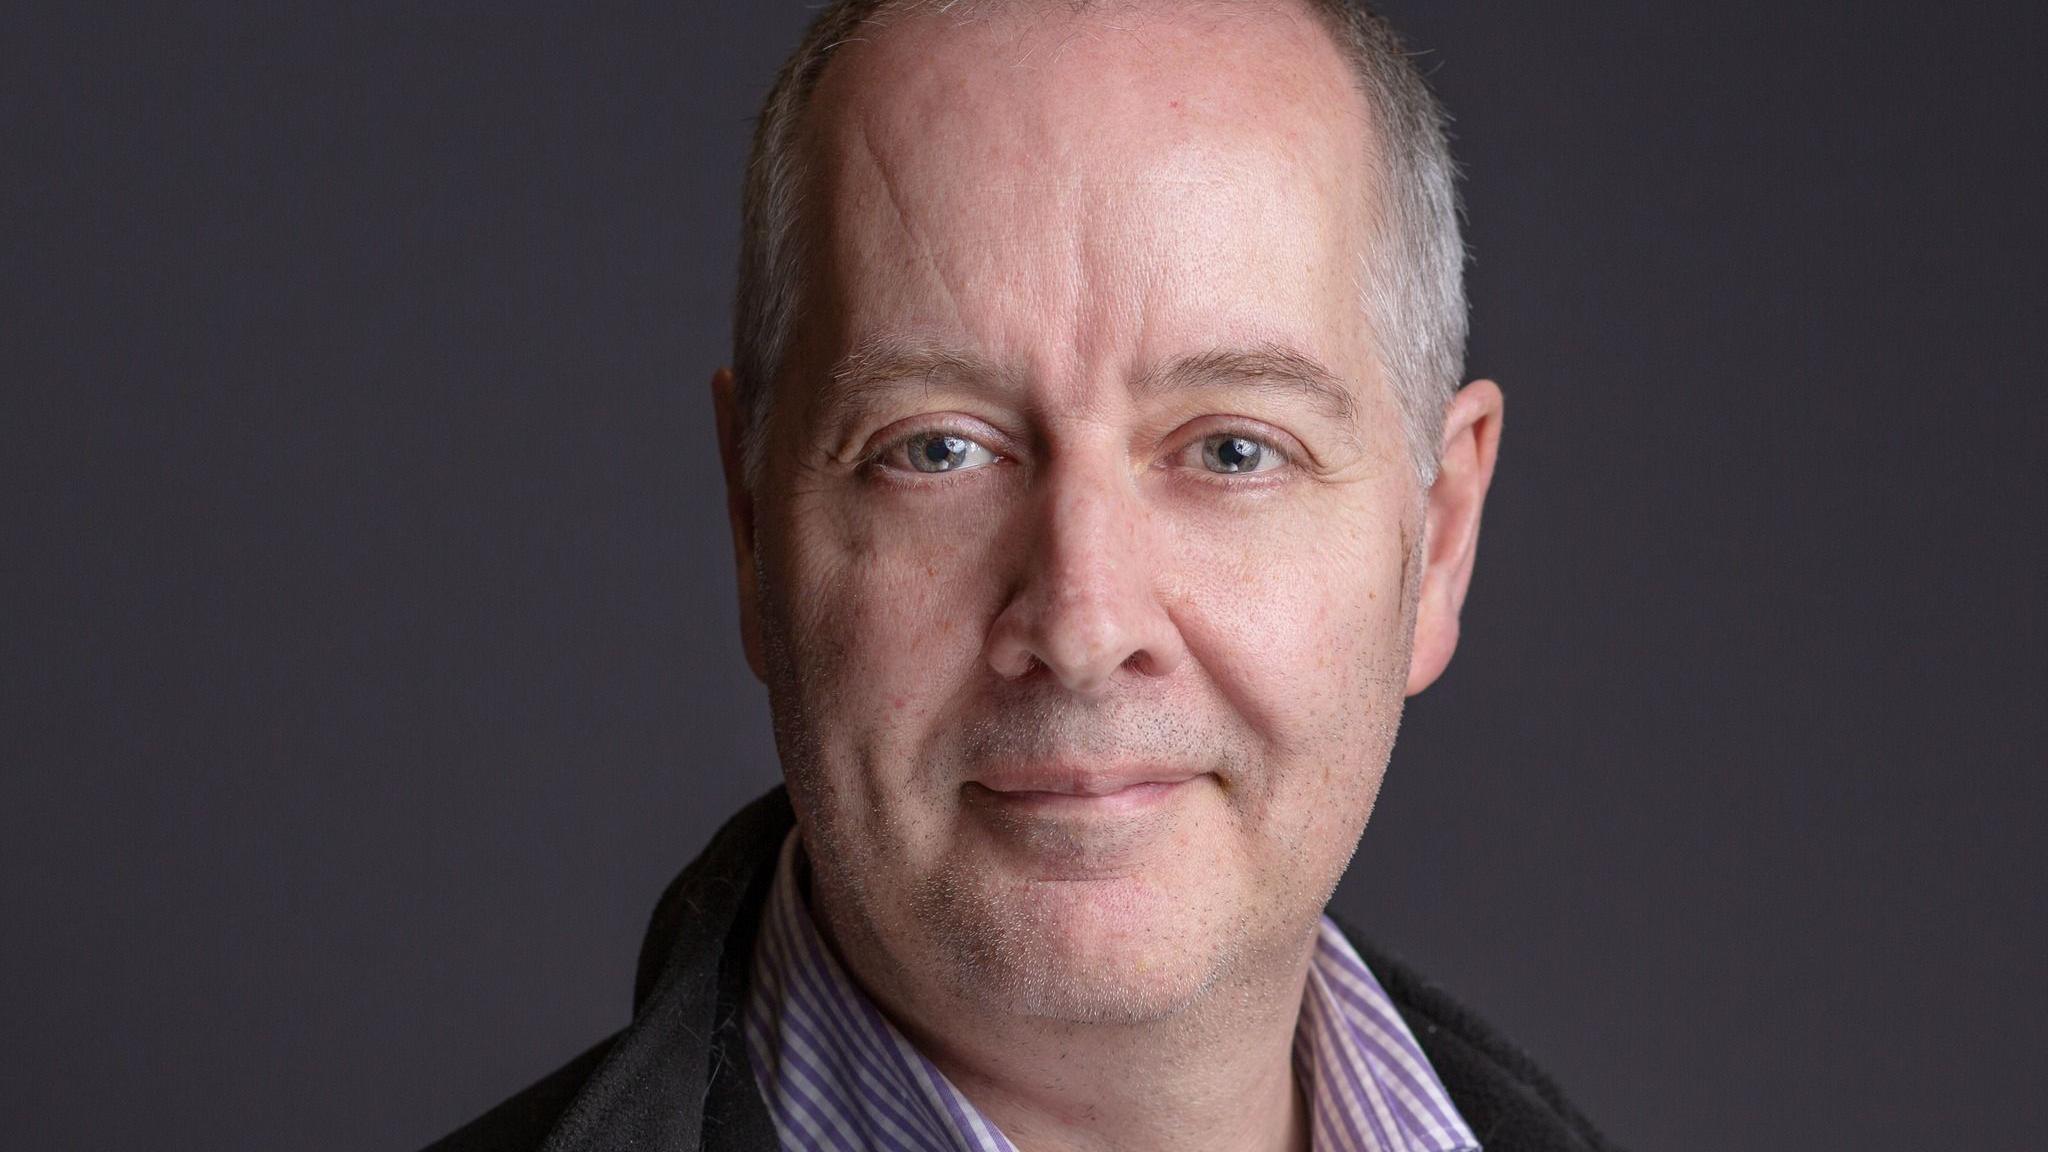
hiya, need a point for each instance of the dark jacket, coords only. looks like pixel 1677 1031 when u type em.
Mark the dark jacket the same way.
pixel 677 1076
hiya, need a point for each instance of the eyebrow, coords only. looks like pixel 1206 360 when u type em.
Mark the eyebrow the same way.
pixel 883 361
pixel 879 364
pixel 1274 368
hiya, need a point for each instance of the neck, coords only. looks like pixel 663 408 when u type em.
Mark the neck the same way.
pixel 1216 1075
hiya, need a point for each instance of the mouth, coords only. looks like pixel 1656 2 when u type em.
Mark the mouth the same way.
pixel 1056 789
pixel 1062 822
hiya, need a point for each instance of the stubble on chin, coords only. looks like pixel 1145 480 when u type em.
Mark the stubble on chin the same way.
pixel 1047 950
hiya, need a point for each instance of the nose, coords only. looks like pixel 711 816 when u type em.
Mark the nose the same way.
pixel 1086 602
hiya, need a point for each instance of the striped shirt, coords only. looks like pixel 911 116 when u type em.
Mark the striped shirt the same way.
pixel 838 1076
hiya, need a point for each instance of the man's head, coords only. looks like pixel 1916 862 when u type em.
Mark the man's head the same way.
pixel 1095 490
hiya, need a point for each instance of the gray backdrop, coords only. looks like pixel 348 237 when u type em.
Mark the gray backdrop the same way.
pixel 370 659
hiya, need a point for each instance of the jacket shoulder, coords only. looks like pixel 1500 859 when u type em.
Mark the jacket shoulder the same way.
pixel 521 1123
pixel 657 1083
pixel 1510 1103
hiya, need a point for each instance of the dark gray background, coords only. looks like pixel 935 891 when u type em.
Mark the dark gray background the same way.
pixel 370 660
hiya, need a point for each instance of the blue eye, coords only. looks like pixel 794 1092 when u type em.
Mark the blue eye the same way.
pixel 1231 453
pixel 944 452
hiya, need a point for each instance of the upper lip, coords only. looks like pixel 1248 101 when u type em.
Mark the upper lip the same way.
pixel 1081 780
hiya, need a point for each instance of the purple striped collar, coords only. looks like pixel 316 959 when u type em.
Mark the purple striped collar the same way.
pixel 838 1076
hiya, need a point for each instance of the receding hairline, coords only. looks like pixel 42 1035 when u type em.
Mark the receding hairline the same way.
pixel 1360 110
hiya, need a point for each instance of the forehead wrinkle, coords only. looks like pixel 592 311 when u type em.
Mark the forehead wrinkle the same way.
pixel 906 221
pixel 1270 367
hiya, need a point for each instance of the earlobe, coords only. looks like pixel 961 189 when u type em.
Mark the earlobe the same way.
pixel 739 507
pixel 1470 444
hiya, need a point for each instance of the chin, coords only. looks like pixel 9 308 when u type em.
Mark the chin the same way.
pixel 1108 951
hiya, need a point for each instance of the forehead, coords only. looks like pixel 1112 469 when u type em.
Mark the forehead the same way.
pixel 1034 172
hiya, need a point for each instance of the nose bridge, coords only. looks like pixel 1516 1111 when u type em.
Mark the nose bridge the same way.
pixel 1087 604
pixel 1093 536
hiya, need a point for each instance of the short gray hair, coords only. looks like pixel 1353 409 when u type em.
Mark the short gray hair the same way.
pixel 1411 280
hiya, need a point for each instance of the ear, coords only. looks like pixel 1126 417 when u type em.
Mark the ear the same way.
pixel 739 509
pixel 1471 440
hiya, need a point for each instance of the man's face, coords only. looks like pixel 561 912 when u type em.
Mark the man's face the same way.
pixel 1084 513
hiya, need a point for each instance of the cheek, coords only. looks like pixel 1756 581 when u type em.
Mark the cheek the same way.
pixel 1297 614
pixel 888 604
pixel 1303 630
